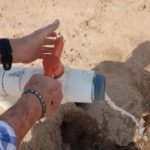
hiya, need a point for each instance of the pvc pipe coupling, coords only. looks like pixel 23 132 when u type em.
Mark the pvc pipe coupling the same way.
pixel 80 86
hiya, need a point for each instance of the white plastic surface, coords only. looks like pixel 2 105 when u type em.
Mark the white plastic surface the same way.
pixel 76 84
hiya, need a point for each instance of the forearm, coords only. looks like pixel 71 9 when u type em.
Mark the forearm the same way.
pixel 22 116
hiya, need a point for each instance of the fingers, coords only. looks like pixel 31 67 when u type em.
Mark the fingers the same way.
pixel 46 31
pixel 54 46
pixel 49 42
pixel 47 50
pixel 53 34
pixel 48 46
pixel 51 39
pixel 50 28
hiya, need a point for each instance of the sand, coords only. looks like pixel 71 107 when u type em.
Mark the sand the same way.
pixel 111 37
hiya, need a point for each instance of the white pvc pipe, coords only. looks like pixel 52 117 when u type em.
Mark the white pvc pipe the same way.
pixel 77 85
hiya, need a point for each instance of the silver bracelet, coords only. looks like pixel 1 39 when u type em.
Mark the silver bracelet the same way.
pixel 34 92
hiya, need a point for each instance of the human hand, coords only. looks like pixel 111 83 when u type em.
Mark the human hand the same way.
pixel 49 89
pixel 30 47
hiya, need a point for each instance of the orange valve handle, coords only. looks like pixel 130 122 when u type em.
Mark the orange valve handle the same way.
pixel 51 62
pixel 59 45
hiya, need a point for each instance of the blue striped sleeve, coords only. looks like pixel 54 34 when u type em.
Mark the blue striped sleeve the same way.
pixel 8 140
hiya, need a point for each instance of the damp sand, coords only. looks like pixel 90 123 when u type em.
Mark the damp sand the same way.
pixel 124 112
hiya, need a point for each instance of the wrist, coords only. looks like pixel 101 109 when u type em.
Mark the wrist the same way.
pixel 33 104
pixel 16 50
pixel 27 106
pixel 40 99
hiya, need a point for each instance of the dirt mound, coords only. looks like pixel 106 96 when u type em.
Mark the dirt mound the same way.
pixel 80 132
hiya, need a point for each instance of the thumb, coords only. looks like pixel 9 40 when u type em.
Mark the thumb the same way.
pixel 50 28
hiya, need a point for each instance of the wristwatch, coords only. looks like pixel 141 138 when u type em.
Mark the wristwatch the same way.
pixel 6 54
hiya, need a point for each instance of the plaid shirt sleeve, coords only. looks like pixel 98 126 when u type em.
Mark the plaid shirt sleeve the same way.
pixel 8 140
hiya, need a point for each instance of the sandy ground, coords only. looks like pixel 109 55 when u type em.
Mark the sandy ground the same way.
pixel 111 37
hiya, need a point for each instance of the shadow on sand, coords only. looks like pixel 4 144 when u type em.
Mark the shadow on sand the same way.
pixel 128 85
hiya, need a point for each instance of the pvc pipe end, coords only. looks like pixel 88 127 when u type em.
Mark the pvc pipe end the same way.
pixel 98 83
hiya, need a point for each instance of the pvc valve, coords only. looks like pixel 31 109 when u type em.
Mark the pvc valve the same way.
pixel 51 62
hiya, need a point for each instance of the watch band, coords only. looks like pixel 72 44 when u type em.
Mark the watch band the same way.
pixel 34 92
pixel 6 54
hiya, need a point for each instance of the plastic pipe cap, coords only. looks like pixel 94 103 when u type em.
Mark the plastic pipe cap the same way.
pixel 98 89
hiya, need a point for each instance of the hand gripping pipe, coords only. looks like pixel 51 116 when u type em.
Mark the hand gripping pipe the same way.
pixel 77 85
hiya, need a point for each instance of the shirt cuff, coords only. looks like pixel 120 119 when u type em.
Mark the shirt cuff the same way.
pixel 8 140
